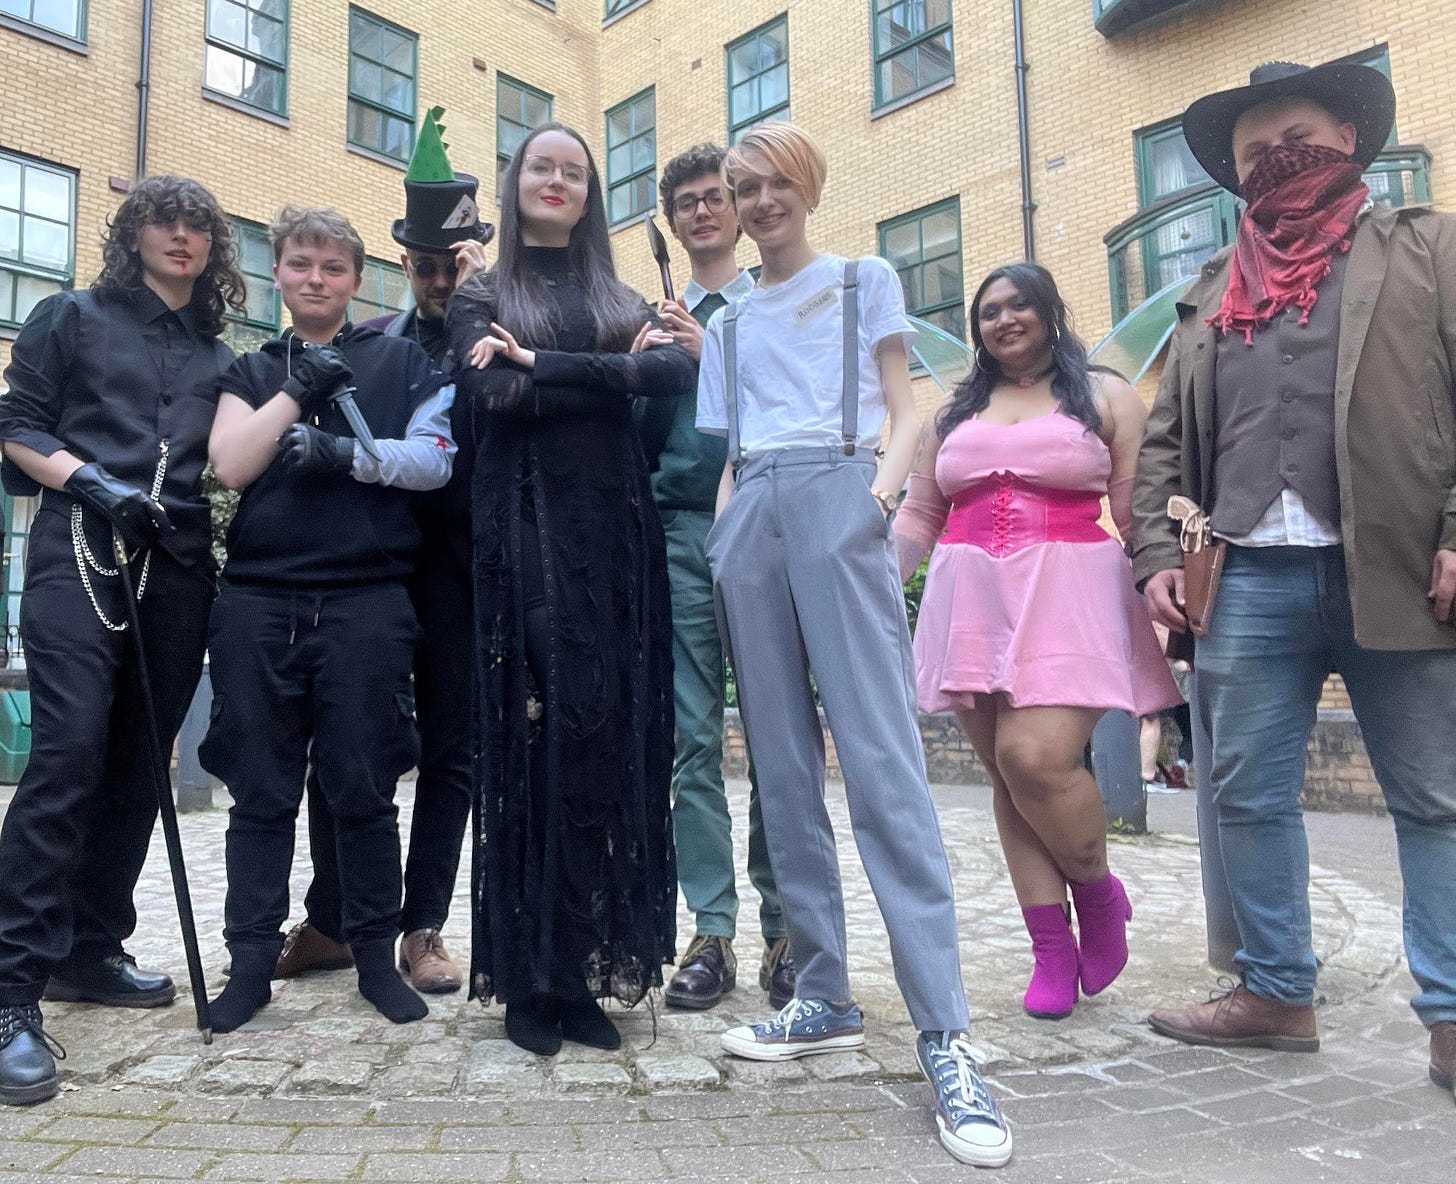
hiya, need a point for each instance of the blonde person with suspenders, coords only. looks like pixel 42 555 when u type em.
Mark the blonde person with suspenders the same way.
pixel 800 376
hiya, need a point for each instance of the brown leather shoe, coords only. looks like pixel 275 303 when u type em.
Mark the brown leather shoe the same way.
pixel 431 970
pixel 777 973
pixel 708 971
pixel 1241 1019
pixel 1443 1055
pixel 305 949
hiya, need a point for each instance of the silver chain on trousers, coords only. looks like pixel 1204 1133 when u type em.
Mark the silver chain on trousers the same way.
pixel 86 559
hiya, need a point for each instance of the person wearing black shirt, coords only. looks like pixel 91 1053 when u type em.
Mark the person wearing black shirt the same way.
pixel 111 395
pixel 444 243
pixel 312 638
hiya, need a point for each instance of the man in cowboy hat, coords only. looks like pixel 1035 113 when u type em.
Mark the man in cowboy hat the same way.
pixel 1306 403
pixel 444 240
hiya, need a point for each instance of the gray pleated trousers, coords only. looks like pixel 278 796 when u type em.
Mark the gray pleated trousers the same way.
pixel 807 584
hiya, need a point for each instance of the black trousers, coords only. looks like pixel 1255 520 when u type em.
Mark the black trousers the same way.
pixel 440 591
pixel 321 676
pixel 76 835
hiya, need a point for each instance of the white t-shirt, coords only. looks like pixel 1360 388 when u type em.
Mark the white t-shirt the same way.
pixel 791 358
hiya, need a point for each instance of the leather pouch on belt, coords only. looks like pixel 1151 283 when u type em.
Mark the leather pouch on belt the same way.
pixel 1202 562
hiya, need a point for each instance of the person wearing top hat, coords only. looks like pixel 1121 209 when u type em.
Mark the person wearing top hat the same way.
pixel 443 240
pixel 1306 405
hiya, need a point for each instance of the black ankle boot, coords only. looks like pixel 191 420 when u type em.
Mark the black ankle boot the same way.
pixel 532 1023
pixel 27 1057
pixel 584 1022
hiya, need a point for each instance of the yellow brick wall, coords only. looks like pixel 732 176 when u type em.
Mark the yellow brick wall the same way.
pixel 1087 96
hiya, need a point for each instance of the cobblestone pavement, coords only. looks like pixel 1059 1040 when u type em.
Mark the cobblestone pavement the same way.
pixel 319 1087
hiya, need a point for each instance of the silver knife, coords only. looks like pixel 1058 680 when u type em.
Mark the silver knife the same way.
pixel 343 399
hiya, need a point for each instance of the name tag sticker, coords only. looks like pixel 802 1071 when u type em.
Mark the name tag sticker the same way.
pixel 817 303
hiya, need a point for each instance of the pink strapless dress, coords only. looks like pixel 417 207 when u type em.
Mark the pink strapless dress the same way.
pixel 1025 593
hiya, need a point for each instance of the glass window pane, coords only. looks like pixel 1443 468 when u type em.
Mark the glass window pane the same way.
pixel 226 21
pixel 902 244
pixel 30 291
pixel 222 71
pixel 10 184
pixel 7 279
pixel 1173 166
pixel 619 126
pixel 536 109
pixel 48 195
pixel 64 16
pixel 399 93
pixel 364 36
pixel 268 38
pixel 399 53
pixel 365 79
pixel 9 234
pixel 398 137
pixel 46 244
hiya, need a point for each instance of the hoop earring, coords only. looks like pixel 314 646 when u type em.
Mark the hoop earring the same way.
pixel 980 365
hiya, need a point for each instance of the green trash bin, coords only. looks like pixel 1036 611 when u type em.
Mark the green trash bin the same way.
pixel 14 735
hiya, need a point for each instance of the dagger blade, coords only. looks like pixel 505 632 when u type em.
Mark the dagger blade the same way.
pixel 343 399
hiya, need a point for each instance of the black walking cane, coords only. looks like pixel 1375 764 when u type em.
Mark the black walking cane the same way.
pixel 162 777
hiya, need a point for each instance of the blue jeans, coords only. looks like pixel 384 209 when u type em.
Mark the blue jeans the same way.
pixel 1281 624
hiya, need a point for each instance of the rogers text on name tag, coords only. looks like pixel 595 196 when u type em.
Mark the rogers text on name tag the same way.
pixel 816 304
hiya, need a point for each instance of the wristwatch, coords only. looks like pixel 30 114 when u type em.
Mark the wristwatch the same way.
pixel 889 502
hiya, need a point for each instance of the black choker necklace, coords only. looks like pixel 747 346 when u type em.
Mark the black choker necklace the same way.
pixel 1027 381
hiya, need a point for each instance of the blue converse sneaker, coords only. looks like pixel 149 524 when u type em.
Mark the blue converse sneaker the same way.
pixel 805 1026
pixel 971 1127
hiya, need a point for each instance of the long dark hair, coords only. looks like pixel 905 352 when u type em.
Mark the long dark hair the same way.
pixel 518 293
pixel 160 201
pixel 1070 382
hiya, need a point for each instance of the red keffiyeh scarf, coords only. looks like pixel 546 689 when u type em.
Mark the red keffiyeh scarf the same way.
pixel 1303 200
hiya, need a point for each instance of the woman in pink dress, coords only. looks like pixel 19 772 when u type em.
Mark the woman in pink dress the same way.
pixel 1030 627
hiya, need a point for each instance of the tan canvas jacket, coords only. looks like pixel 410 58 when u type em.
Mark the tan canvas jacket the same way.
pixel 1395 429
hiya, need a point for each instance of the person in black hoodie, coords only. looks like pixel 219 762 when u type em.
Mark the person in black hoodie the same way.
pixel 313 636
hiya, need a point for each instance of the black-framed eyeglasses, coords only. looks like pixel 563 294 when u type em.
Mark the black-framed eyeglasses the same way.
pixel 686 205
pixel 427 268
pixel 543 166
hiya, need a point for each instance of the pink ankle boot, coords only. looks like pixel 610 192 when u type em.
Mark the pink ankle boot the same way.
pixel 1103 912
pixel 1052 992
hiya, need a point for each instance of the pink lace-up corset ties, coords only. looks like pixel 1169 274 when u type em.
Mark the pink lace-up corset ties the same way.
pixel 1003 514
pixel 1027 594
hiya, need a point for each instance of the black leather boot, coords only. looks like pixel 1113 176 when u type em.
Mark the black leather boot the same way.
pixel 27 1057
pixel 708 971
pixel 116 981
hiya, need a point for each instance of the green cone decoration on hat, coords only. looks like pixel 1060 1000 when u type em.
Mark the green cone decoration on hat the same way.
pixel 429 162
pixel 439 204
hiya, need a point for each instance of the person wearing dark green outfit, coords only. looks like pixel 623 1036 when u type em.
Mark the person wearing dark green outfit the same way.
pixel 686 466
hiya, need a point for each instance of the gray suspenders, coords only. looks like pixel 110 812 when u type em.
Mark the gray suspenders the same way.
pixel 849 397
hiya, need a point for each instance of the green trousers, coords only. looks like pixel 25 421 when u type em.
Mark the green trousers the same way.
pixel 702 826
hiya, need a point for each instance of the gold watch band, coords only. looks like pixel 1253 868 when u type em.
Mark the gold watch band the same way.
pixel 888 501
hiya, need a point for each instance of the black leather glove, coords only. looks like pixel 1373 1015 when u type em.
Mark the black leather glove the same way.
pixel 316 371
pixel 138 518
pixel 306 449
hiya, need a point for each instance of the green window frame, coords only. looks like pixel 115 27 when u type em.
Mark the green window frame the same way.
pixel 383 289
pixel 263 317
pixel 64 18
pixel 924 248
pixel 383 67
pixel 632 157
pixel 37 234
pixel 615 7
pixel 913 48
pixel 246 54
pixel 519 107
pixel 758 76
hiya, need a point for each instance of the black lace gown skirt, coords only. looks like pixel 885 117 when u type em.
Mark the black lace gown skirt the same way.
pixel 574 878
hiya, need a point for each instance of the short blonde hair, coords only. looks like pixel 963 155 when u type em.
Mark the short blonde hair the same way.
pixel 789 151
pixel 315 226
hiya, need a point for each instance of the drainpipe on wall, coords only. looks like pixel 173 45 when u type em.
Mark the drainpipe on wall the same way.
pixel 144 90
pixel 1028 207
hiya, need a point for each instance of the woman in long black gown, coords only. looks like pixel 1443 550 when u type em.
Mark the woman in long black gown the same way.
pixel 574 879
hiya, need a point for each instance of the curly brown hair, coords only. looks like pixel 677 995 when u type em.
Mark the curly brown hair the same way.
pixel 161 201
pixel 687 166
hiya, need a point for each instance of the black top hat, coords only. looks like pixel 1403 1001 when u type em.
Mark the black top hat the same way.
pixel 438 213
pixel 1353 94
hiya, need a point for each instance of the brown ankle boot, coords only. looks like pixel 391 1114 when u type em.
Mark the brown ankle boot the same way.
pixel 1241 1019
pixel 431 970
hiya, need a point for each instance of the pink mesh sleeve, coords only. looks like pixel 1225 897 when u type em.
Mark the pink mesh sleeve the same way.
pixel 919 521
